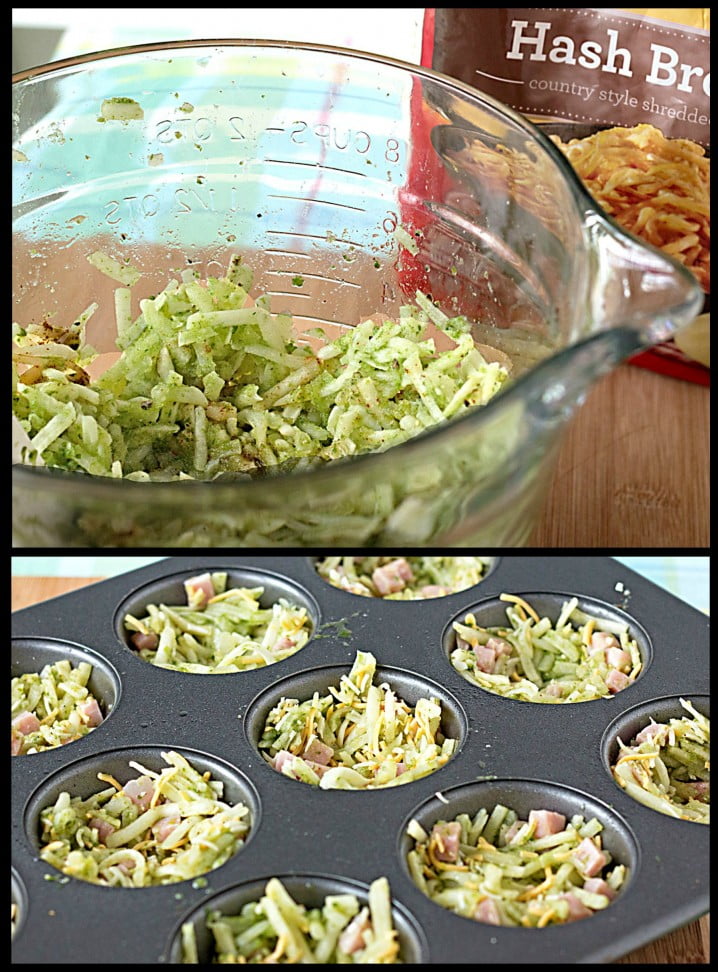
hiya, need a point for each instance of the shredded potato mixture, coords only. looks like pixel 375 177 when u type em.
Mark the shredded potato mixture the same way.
pixel 358 736
pixel 52 707
pixel 577 658
pixel 498 869
pixel 210 382
pixel 276 929
pixel 158 828
pixel 403 578
pixel 667 766
pixel 219 630
pixel 655 187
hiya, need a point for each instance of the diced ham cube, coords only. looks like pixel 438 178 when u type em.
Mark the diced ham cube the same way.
pixel 485 658
pixel 140 791
pixel 445 840
pixel 318 752
pixel 164 827
pixel 282 758
pixel 602 641
pixel 589 858
pixel 699 790
pixel 91 711
pixel 616 681
pixel 103 828
pixel 392 577
pixel 576 909
pixel 145 642
pixel 434 590
pixel 648 732
pixel 547 822
pixel 499 645
pixel 127 866
pixel 599 886
pixel 618 658
pixel 487 912
pixel 15 743
pixel 284 642
pixel 352 938
pixel 400 768
pixel 464 644
pixel 199 590
pixel 25 723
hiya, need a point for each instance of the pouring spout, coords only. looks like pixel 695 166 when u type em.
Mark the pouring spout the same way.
pixel 637 288
pixel 637 297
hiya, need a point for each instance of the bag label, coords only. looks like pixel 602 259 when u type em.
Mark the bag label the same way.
pixel 582 65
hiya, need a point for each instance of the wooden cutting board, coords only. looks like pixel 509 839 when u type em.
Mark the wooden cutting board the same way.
pixel 634 467
pixel 690 944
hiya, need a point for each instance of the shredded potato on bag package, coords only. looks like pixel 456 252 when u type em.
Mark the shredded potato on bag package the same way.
pixel 655 187
pixel 277 929
pixel 211 382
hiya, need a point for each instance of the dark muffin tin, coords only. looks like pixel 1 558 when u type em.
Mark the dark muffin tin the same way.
pixel 525 755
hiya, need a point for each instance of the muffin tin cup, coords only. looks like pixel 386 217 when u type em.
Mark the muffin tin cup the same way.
pixel 33 654
pixel 407 686
pixel 629 723
pixel 309 890
pixel 524 795
pixel 353 837
pixel 491 612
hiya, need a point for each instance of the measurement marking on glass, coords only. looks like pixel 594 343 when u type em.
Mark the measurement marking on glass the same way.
pixel 323 320
pixel 309 199
pixel 291 253
pixel 315 276
pixel 313 236
pixel 287 293
pixel 317 165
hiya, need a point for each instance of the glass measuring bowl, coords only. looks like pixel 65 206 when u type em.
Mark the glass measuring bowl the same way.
pixel 310 161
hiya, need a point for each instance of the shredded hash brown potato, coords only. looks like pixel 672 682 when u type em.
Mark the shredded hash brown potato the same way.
pixel 158 828
pixel 276 929
pixel 402 578
pixel 52 707
pixel 655 187
pixel 358 736
pixel 666 766
pixel 499 869
pixel 577 658
pixel 210 382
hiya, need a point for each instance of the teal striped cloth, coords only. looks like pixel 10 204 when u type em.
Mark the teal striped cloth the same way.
pixel 686 577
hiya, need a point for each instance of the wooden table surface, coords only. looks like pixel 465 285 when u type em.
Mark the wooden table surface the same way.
pixel 633 470
pixel 690 944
